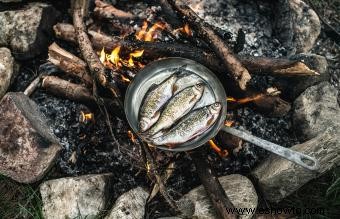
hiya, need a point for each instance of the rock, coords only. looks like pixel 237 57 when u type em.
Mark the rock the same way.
pixel 130 205
pixel 293 87
pixel 297 25
pixel 76 197
pixel 238 188
pixel 315 110
pixel 6 70
pixel 27 31
pixel 27 146
pixel 278 177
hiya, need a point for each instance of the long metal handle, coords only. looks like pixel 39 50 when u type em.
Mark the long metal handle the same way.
pixel 299 158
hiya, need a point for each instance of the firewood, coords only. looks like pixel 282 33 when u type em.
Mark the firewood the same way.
pixel 79 93
pixel 66 89
pixel 108 11
pixel 239 73
pixel 69 63
pixel 155 50
pixel 211 184
pixel 97 69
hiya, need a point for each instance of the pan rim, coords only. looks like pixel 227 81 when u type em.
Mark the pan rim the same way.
pixel 208 75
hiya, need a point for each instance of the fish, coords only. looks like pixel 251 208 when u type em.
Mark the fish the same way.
pixel 154 100
pixel 186 80
pixel 191 126
pixel 177 107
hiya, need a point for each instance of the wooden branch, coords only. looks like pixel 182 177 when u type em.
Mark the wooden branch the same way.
pixel 211 184
pixel 66 89
pixel 155 50
pixel 69 63
pixel 97 69
pixel 108 11
pixel 78 93
pixel 239 73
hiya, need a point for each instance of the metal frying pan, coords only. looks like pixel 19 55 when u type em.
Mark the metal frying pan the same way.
pixel 157 71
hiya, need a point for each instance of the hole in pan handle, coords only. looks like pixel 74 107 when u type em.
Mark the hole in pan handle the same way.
pixel 301 159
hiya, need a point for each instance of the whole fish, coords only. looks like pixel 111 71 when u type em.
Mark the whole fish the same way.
pixel 177 107
pixel 194 124
pixel 154 100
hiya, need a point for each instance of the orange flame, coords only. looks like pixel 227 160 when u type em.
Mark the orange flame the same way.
pixel 218 150
pixel 187 30
pixel 229 123
pixel 246 99
pixel 131 136
pixel 86 116
pixel 151 34
pixel 114 57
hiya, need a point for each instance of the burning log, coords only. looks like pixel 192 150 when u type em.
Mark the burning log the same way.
pixel 239 73
pixel 69 63
pixel 213 187
pixel 97 69
pixel 256 65
pixel 108 11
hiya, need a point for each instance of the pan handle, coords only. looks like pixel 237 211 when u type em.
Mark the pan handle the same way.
pixel 299 158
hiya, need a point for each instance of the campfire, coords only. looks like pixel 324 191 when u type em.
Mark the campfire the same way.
pixel 103 64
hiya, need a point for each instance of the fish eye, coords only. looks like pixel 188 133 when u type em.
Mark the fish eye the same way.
pixel 216 104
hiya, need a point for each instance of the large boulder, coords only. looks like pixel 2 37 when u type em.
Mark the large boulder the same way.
pixel 297 25
pixel 315 110
pixel 239 189
pixel 28 147
pixel 278 177
pixel 7 69
pixel 27 31
pixel 130 205
pixel 76 197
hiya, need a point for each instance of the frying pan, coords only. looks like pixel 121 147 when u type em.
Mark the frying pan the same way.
pixel 157 71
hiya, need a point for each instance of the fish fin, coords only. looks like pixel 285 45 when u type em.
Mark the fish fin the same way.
pixel 210 121
pixel 193 99
pixel 174 88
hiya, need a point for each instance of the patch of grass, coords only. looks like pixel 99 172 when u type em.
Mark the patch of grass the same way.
pixel 322 193
pixel 19 201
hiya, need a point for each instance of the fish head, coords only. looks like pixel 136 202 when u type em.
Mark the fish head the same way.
pixel 144 124
pixel 215 108
pixel 199 87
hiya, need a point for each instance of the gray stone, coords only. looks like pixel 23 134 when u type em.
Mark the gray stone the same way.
pixel 75 197
pixel 130 205
pixel 297 25
pixel 238 188
pixel 27 146
pixel 6 70
pixel 278 177
pixel 315 110
pixel 27 31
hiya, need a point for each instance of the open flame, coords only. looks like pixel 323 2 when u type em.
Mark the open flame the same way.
pixel 84 117
pixel 217 149
pixel 229 123
pixel 185 29
pixel 113 60
pixel 245 100
pixel 131 136
pixel 149 35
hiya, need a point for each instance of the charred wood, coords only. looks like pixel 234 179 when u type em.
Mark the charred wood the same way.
pixel 239 73
pixel 69 63
pixel 154 50
pixel 211 184
pixel 97 69
pixel 108 11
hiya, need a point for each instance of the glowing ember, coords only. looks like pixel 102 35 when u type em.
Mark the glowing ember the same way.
pixel 85 116
pixel 131 136
pixel 218 150
pixel 151 34
pixel 246 99
pixel 229 123
pixel 187 30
